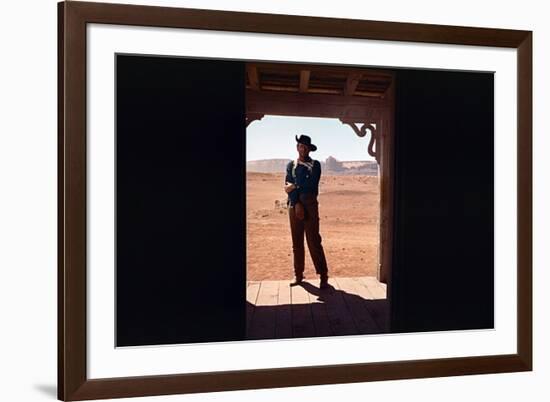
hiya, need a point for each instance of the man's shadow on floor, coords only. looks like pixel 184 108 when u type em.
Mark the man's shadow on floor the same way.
pixel 318 292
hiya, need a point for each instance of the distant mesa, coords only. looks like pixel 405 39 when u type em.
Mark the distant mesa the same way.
pixel 331 166
pixel 267 165
pixel 334 166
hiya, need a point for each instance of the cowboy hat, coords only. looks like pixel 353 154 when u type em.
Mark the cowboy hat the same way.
pixel 306 140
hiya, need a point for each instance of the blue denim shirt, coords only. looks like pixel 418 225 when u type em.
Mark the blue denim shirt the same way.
pixel 307 181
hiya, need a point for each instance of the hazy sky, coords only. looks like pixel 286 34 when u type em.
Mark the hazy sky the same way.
pixel 273 137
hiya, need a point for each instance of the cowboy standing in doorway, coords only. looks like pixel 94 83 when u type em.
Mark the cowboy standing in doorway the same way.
pixel 302 186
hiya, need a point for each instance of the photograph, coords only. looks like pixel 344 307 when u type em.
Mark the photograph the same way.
pixel 228 171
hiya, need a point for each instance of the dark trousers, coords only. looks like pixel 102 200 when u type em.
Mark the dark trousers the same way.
pixel 309 226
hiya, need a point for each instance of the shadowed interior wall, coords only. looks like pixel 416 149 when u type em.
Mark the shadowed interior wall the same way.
pixel 180 206
pixel 443 274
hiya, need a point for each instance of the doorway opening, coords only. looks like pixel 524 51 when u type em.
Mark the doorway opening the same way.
pixel 348 114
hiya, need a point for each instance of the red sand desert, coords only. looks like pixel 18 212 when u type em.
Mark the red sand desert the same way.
pixel 349 212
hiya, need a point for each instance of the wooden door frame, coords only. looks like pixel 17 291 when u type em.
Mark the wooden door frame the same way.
pixel 387 180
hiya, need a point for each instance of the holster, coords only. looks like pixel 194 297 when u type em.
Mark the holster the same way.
pixel 299 211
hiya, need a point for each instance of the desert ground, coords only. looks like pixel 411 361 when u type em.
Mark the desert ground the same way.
pixel 349 213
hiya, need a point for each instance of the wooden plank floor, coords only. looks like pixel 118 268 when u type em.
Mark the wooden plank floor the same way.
pixel 351 306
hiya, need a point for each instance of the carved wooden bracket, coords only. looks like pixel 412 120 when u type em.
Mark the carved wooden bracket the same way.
pixel 250 117
pixel 362 131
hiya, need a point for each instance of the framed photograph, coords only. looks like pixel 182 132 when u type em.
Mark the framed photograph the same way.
pixel 255 201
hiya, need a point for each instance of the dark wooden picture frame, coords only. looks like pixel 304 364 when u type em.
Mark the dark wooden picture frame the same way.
pixel 73 382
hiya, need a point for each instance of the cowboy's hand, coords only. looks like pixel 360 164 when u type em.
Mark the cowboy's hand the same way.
pixel 289 187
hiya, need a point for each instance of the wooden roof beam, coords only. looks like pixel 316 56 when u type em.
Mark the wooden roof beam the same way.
pixel 304 80
pixel 351 83
pixel 377 74
pixel 253 77
pixel 354 108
